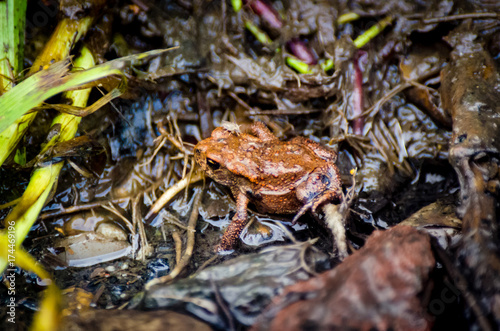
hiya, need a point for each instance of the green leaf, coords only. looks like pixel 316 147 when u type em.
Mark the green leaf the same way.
pixel 54 80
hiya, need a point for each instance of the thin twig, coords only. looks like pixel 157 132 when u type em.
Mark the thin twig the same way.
pixel 280 112
pixel 304 246
pixel 145 249
pixel 172 192
pixel 97 295
pixel 459 17
pixel 168 218
pixel 240 102
pixel 178 246
pixel 373 110
pixel 111 208
pixel 191 171
pixel 163 140
pixel 97 204
pixel 79 208
pixel 303 257
pixel 287 232
pixel 207 263
pixel 222 304
pixel 189 246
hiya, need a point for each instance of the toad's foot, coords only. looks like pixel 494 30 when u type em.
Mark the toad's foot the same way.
pixel 233 231
pixel 231 236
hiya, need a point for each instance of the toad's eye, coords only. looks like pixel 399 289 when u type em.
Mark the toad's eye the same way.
pixel 325 180
pixel 214 165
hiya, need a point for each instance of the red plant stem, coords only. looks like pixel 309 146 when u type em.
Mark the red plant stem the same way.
pixel 301 51
pixel 266 11
pixel 357 99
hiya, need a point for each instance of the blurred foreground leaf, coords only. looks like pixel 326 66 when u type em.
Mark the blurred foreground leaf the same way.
pixel 47 317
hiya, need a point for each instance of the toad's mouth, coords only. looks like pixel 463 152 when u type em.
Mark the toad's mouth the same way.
pixel 317 201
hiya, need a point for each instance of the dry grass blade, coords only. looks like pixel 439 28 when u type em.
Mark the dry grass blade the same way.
pixel 172 192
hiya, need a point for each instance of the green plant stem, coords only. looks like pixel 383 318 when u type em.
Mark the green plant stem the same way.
pixel 372 32
pixel 12 23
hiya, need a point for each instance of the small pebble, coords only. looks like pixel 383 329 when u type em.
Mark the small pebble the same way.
pixel 110 268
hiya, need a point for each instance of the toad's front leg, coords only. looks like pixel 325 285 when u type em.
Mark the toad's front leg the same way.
pixel 233 231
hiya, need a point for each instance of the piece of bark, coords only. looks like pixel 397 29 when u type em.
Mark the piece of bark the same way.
pixel 470 93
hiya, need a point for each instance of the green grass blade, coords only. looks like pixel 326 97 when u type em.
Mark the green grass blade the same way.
pixel 12 22
pixel 66 34
pixel 54 80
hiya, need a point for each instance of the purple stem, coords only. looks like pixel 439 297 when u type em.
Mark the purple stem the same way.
pixel 357 98
pixel 266 12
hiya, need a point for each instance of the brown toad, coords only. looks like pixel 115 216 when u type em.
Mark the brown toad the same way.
pixel 277 177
